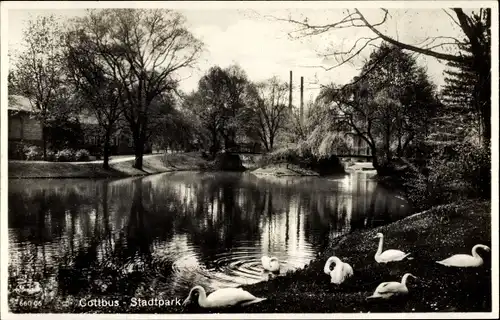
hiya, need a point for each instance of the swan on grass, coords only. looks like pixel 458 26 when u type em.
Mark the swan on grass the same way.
pixel 340 272
pixel 270 263
pixel 388 255
pixel 465 260
pixel 386 290
pixel 226 297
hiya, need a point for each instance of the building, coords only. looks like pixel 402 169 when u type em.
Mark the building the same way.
pixel 23 126
pixel 25 130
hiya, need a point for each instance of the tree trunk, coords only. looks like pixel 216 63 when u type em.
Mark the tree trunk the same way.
pixel 44 142
pixel 375 161
pixel 138 150
pixel 106 152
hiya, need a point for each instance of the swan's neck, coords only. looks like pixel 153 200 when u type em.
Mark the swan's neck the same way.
pixel 380 245
pixel 328 265
pixel 474 251
pixel 405 277
pixel 202 298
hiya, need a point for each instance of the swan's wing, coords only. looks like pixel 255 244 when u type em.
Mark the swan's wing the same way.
pixel 459 260
pixel 392 254
pixel 229 297
pixel 389 287
pixel 265 262
pixel 348 269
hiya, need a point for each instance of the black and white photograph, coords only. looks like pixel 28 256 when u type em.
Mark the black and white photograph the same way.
pixel 271 159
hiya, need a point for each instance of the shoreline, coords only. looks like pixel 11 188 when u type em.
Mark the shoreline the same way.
pixel 429 236
pixel 119 168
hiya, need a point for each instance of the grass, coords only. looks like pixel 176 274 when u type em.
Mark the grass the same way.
pixel 152 164
pixel 430 236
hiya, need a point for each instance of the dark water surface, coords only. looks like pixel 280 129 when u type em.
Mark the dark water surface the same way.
pixel 171 231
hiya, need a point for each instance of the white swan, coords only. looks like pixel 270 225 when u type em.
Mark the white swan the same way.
pixel 340 273
pixel 388 255
pixel 270 263
pixel 465 260
pixel 220 298
pixel 385 290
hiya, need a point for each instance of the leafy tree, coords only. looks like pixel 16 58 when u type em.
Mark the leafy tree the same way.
pixel 222 104
pixel 389 106
pixel 38 72
pixel 143 49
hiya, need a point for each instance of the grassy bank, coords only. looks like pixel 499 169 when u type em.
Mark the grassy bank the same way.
pixel 156 163
pixel 431 235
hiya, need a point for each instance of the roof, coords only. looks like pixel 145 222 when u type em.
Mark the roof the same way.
pixel 19 103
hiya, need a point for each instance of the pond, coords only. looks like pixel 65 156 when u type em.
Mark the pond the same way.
pixel 171 231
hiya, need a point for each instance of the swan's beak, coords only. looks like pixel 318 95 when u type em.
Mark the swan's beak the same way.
pixel 186 302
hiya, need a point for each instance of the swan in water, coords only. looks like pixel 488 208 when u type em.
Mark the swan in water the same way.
pixel 220 298
pixel 465 260
pixel 385 290
pixel 388 255
pixel 270 263
pixel 340 273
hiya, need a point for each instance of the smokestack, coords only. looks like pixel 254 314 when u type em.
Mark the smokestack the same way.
pixel 290 98
pixel 301 100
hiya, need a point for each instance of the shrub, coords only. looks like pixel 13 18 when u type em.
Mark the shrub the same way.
pixel 65 155
pixel 51 155
pixel 82 155
pixel 33 153
pixel 452 174
pixel 304 158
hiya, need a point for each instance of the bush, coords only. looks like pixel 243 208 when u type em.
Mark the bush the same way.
pixel 452 174
pixel 33 153
pixel 65 155
pixel 304 158
pixel 51 155
pixel 82 155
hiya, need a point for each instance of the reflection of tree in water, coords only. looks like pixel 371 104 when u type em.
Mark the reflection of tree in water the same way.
pixel 103 237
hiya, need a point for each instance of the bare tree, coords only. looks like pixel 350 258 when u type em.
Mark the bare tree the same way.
pixel 38 70
pixel 271 110
pixel 145 49
pixel 475 27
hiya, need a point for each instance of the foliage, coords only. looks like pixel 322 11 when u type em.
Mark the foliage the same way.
pixel 302 156
pixel 64 132
pixel 65 155
pixel 38 73
pixel 33 153
pixel 222 106
pixel 389 106
pixel 82 155
pixel 452 173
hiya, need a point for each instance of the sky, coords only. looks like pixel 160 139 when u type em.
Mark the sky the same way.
pixel 260 44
